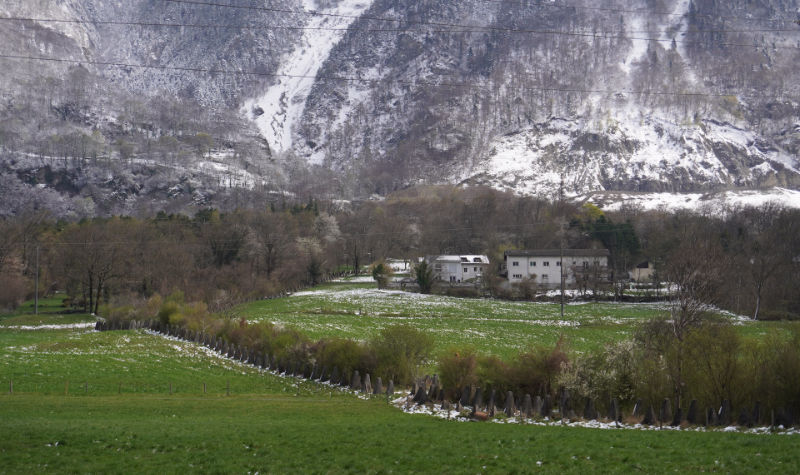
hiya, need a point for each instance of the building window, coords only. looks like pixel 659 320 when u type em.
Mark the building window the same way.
pixel 545 278
pixel 585 264
pixel 475 269
pixel 558 264
pixel 517 276
pixel 546 263
pixel 533 263
pixel 515 263
pixel 466 269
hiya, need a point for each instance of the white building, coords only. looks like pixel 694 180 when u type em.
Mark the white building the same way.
pixel 400 266
pixel 544 265
pixel 456 269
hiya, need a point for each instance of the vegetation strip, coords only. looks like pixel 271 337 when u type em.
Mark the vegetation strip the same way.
pixel 600 383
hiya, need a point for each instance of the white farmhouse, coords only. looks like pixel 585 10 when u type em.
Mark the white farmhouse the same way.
pixel 544 265
pixel 456 269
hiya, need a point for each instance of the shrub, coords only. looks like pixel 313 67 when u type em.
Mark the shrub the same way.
pixel 603 375
pixel 134 309
pixel 536 371
pixel 291 346
pixel 492 375
pixel 775 315
pixel 713 364
pixel 347 355
pixel 381 272
pixel 399 350
pixel 458 368
pixel 423 274
pixel 170 309
pixel 13 289
pixel 774 371
pixel 463 292
pixel 527 289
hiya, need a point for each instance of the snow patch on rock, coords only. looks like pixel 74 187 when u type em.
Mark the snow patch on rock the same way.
pixel 281 107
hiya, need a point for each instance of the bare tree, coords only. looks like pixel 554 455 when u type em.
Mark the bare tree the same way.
pixel 693 270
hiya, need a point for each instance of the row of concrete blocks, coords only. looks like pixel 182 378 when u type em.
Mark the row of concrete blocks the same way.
pixel 431 392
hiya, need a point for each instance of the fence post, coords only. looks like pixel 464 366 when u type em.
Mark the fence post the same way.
pixel 204 388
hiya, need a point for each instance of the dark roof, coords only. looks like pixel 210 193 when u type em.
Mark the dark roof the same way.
pixel 557 253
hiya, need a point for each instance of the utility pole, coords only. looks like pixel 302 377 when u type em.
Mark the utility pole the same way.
pixel 562 224
pixel 36 289
pixel 561 267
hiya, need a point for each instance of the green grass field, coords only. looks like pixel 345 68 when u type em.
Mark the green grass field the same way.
pixel 129 401
pixel 504 328
pixel 271 424
pixel 51 312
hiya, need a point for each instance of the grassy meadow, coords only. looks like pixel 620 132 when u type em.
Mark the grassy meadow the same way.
pixel 129 401
pixel 503 328
pixel 51 312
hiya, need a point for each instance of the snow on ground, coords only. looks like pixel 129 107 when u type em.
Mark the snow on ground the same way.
pixel 336 294
pixel 65 326
pixel 361 279
pixel 700 201
pixel 639 47
pixel 406 404
pixel 648 150
pixel 283 103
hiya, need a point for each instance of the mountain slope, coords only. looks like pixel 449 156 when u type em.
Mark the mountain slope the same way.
pixel 347 98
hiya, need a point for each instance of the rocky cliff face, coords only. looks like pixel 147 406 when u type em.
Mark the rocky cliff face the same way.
pixel 635 96
pixel 535 97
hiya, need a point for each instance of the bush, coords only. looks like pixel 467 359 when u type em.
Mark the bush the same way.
pixel 458 368
pixel 775 315
pixel 13 289
pixel 527 289
pixel 773 371
pixel 604 375
pixel 381 272
pixel 399 350
pixel 290 346
pixel 714 365
pixel 536 371
pixel 492 375
pixel 423 274
pixel 347 355
pixel 463 292
pixel 135 309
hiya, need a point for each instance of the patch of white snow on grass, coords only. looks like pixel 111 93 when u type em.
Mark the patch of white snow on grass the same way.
pixel 406 404
pixel 65 326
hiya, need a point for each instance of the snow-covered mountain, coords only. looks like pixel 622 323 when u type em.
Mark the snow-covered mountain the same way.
pixel 341 98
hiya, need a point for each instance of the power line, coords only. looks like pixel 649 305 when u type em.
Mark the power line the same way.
pixel 539 4
pixel 462 28
pixel 469 27
pixel 363 80
pixel 639 11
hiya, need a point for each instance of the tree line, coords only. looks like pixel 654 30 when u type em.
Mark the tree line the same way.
pixel 745 260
